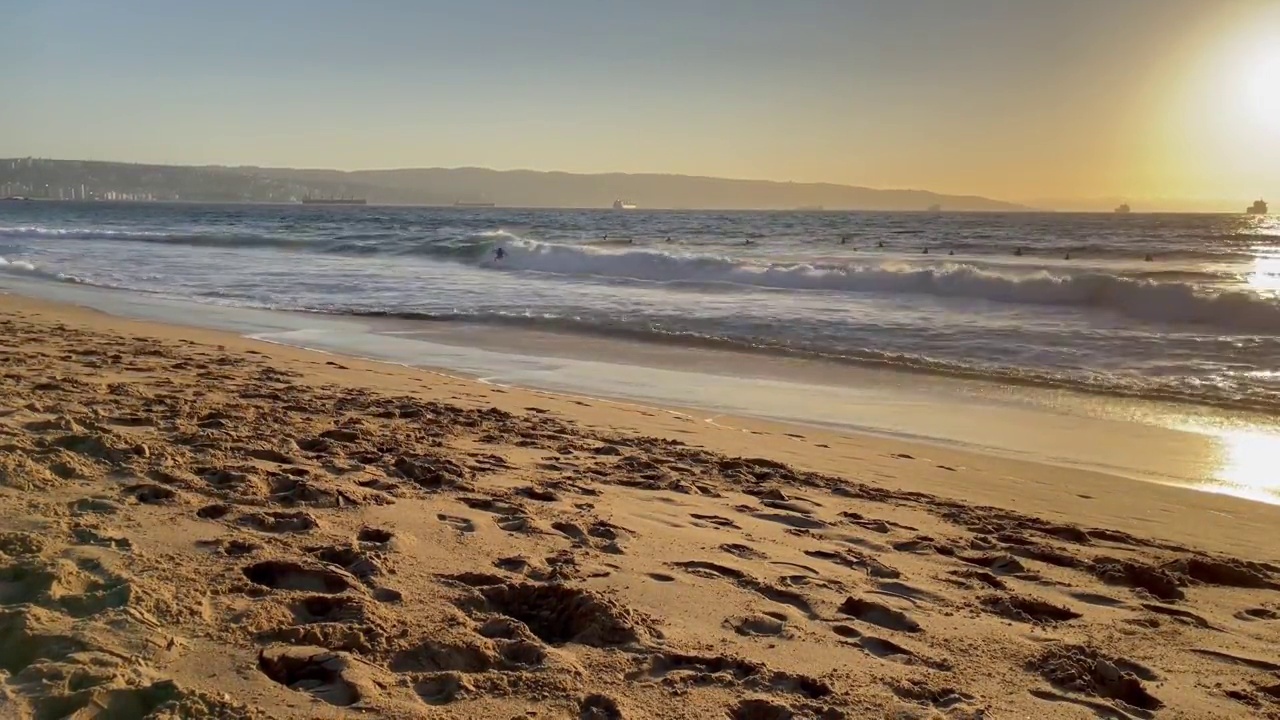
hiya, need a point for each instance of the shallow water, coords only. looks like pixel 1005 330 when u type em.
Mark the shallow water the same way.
pixel 1199 322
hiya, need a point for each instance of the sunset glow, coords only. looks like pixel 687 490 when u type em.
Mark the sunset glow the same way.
pixel 1164 104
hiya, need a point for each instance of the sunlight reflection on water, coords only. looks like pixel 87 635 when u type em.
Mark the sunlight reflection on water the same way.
pixel 1248 462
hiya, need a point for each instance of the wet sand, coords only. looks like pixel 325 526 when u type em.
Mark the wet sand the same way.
pixel 196 524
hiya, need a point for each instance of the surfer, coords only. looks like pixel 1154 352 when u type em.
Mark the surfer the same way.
pixel 499 254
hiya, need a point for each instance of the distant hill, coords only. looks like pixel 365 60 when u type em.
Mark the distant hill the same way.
pixel 445 186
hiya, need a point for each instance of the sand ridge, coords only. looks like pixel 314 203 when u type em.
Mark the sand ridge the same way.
pixel 196 531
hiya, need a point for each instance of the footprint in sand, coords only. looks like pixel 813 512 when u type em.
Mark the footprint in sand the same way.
pixel 599 707
pixel 374 536
pixel 286 575
pixel 516 523
pixel 94 506
pixel 280 522
pixel 1028 609
pixel 1082 669
pixel 149 494
pixel 758 626
pixel 460 523
pixel 441 688
pixel 90 536
pixel 1258 613
pixel 78 588
pixel 922 693
pixel 745 552
pixel 214 511
pixel 880 615
pixel 333 677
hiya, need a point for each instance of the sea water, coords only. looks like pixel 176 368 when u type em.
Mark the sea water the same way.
pixel 1172 307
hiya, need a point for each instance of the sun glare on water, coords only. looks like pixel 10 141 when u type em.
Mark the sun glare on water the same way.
pixel 1247 461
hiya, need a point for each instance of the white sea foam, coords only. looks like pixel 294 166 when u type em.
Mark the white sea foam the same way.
pixel 1164 302
pixel 17 265
pixel 27 268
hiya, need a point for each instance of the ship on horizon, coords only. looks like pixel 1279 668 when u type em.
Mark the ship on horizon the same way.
pixel 461 203
pixel 1123 209
pixel 621 205
pixel 1259 207
pixel 312 200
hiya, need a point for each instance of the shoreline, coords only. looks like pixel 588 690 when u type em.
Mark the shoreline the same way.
pixel 1205 448
pixel 259 334
pixel 196 523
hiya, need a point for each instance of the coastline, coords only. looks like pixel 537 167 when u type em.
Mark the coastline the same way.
pixel 211 524
pixel 1206 448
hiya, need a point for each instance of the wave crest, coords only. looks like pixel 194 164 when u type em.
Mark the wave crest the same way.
pixel 25 267
pixel 1141 299
pixel 1163 298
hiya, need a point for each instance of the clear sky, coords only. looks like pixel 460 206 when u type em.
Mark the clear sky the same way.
pixel 1016 99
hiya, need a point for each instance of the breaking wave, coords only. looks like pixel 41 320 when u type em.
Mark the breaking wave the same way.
pixel 24 267
pixel 1167 298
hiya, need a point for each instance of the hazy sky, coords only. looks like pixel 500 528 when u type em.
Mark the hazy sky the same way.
pixel 1018 99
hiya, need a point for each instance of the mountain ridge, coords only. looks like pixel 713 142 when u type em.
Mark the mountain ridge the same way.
pixel 445 186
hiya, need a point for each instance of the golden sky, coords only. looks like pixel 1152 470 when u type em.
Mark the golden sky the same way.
pixel 1064 103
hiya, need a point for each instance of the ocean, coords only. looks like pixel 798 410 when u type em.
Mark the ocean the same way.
pixel 1175 307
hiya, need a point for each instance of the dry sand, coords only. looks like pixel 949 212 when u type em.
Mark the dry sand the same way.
pixel 197 525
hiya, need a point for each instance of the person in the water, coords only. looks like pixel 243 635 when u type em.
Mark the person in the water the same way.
pixel 499 254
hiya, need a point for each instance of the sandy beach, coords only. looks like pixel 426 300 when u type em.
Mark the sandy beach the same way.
pixel 196 524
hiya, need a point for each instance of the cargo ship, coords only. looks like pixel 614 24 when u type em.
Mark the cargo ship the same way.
pixel 621 205
pixel 1123 209
pixel 472 204
pixel 309 200
pixel 1259 207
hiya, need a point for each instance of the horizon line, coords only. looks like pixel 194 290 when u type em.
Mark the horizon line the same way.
pixel 1030 204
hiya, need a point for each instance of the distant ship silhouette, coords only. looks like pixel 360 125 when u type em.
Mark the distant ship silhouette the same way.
pixel 1259 207
pixel 620 205
pixel 1123 209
